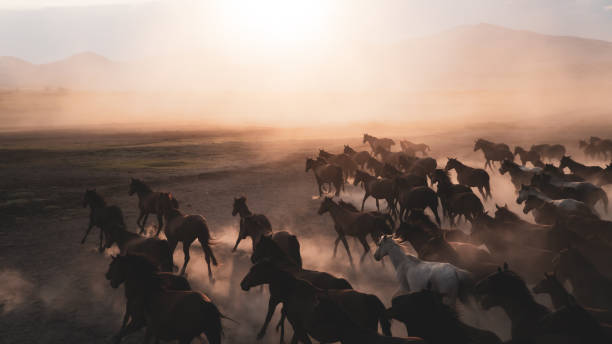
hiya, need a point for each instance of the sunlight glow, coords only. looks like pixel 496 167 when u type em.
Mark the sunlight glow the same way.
pixel 277 22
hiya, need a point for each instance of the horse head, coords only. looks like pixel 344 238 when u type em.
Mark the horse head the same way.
pixel 500 288
pixel 385 244
pixel 325 205
pixel 239 204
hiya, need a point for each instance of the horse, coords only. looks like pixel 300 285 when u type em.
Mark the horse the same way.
pixel 559 176
pixel 377 188
pixel 122 266
pixel 268 249
pixel 375 166
pixel 580 191
pixel 355 224
pixel 527 156
pixel 251 225
pixel 590 287
pixel 100 215
pixel 547 211
pixel 326 174
pixel 376 143
pixel 419 166
pixel 590 173
pixel 418 197
pixel 519 175
pixel 343 160
pixel 408 146
pixel 325 315
pixel 186 228
pixel 360 158
pixel 493 152
pixel 169 314
pixel 147 203
pixel 550 152
pixel 469 176
pixel 426 316
pixel 155 249
pixel 415 274
pixel 447 190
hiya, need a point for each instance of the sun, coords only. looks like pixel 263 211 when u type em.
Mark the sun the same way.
pixel 274 21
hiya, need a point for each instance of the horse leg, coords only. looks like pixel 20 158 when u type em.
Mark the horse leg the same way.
pixel 484 196
pixel 281 325
pixel 208 255
pixel 377 206
pixel 336 245
pixel 160 224
pixel 139 221
pixel 364 199
pixel 186 252
pixel 348 251
pixel 366 248
pixel 172 245
pixel 100 247
pixel 87 231
pixel 272 303
pixel 144 223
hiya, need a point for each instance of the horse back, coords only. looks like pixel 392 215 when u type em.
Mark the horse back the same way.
pixel 323 280
pixel 290 245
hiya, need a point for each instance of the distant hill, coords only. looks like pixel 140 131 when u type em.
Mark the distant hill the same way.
pixel 468 57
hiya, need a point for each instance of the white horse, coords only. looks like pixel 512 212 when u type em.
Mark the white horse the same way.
pixel 414 274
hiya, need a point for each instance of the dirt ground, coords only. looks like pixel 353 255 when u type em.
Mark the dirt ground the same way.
pixel 53 290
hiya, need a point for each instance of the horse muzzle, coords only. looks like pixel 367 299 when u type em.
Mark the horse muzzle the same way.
pixel 244 286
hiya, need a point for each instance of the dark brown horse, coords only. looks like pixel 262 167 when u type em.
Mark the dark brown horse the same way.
pixel 155 249
pixel 519 175
pixel 376 143
pixel 452 200
pixel 589 173
pixel 493 152
pixel 360 158
pixel 425 315
pixel 100 215
pixel 408 146
pixel 251 225
pixel 469 176
pixel 527 156
pixel 418 197
pixel 375 166
pixel 170 314
pixel 550 152
pixel 123 266
pixel 343 160
pixel 355 224
pixel 326 174
pixel 377 188
pixel 268 250
pixel 328 316
pixel 186 229
pixel 148 203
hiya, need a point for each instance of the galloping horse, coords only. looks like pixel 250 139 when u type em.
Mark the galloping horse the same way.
pixel 550 152
pixel 469 176
pixel 410 147
pixel 186 228
pixel 101 215
pixel 493 152
pixel 527 156
pixel 360 158
pixel 148 203
pixel 326 174
pixel 376 143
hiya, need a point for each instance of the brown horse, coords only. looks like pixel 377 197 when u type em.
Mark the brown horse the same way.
pixel 469 176
pixel 343 160
pixel 122 266
pixel 408 147
pixel 360 158
pixel 377 188
pixel 328 316
pixel 186 228
pixel 548 151
pixel 155 249
pixel 375 166
pixel 170 314
pixel 493 152
pixel 326 174
pixel 251 225
pixel 355 224
pixel 148 203
pixel 527 156
pixel 376 143
pixel 418 197
pixel 100 215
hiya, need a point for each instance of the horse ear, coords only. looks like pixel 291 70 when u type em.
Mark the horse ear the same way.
pixel 505 266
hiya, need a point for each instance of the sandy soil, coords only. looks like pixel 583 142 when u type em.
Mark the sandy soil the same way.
pixel 52 289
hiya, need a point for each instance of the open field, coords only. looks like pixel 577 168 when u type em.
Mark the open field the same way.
pixel 53 289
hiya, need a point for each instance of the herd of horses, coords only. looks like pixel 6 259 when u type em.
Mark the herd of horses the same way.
pixel 568 244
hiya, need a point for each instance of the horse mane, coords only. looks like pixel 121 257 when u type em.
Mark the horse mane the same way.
pixel 139 184
pixel 515 282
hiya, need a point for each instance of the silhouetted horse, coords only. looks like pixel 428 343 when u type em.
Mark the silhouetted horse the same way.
pixel 186 229
pixel 527 156
pixel 355 224
pixel 343 160
pixel 493 152
pixel 375 166
pixel 551 152
pixel 326 315
pixel 580 191
pixel 590 173
pixel 123 266
pixel 157 250
pixel 425 315
pixel 376 143
pixel 408 146
pixel 418 197
pixel 360 158
pixel 377 188
pixel 251 225
pixel 268 250
pixel 147 203
pixel 100 215
pixel 170 314
pixel 519 175
pixel 326 174
pixel 469 176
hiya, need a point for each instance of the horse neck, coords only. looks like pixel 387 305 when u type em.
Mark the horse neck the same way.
pixel 244 211
pixel 283 285
pixel 398 257
pixel 336 211
pixel 143 192
pixel 559 296
pixel 574 164
pixel 459 167
pixel 96 202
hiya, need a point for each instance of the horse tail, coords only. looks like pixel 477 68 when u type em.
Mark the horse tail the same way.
pixel 294 248
pixel 381 313
pixel 206 241
pixel 212 328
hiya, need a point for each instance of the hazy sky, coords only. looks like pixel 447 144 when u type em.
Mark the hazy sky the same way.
pixel 43 31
